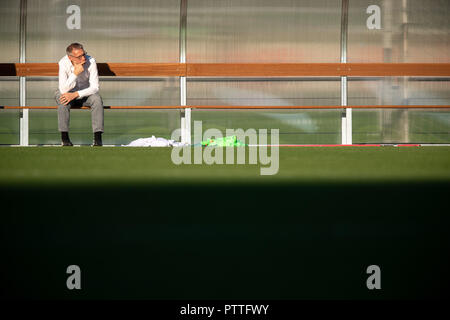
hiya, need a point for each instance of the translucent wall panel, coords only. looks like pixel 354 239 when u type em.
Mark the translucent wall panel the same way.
pixel 9 30
pixel 410 31
pixel 114 92
pixel 9 91
pixel 428 31
pixel 265 92
pixel 263 31
pixel 428 91
pixel 121 126
pixel 296 126
pixel 111 30
pixel 9 119
pixel 125 126
pixel 400 125
pixel 9 87
pixel 137 92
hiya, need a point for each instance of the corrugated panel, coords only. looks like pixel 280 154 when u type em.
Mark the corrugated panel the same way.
pixel 111 30
pixel 9 119
pixel 410 31
pixel 121 126
pixel 400 126
pixel 263 31
pixel 9 30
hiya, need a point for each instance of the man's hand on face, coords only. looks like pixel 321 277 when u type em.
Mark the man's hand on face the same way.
pixel 78 68
pixel 65 98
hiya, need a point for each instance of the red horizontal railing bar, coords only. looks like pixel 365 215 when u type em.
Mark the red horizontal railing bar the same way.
pixel 320 107
pixel 104 69
pixel 106 107
pixel 240 69
pixel 318 69
pixel 249 107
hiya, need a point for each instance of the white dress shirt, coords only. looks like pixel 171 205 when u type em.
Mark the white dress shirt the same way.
pixel 86 83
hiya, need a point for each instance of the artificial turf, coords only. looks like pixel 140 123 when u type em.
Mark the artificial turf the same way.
pixel 141 227
pixel 154 165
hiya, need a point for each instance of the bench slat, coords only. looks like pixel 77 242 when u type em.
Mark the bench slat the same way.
pixel 250 107
pixel 241 69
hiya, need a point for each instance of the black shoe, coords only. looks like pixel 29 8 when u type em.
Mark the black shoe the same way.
pixel 97 139
pixel 65 139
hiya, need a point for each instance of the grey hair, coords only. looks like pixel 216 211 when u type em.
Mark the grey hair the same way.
pixel 74 45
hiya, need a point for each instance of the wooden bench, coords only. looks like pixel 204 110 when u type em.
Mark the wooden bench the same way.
pixel 242 70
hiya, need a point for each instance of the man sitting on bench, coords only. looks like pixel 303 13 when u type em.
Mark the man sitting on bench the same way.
pixel 78 86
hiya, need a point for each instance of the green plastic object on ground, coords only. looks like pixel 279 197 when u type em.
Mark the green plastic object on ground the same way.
pixel 230 141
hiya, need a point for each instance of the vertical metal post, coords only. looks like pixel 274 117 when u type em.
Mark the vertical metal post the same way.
pixel 388 135
pixel 22 80
pixel 405 79
pixel 185 113
pixel 346 120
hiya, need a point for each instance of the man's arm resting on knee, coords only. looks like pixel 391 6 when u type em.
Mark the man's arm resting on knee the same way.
pixel 65 98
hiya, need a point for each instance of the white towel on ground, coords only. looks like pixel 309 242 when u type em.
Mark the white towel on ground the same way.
pixel 154 142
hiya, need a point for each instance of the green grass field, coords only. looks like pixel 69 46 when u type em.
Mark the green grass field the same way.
pixel 141 227
pixel 154 166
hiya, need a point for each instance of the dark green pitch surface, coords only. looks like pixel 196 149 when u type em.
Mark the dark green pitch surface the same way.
pixel 141 227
